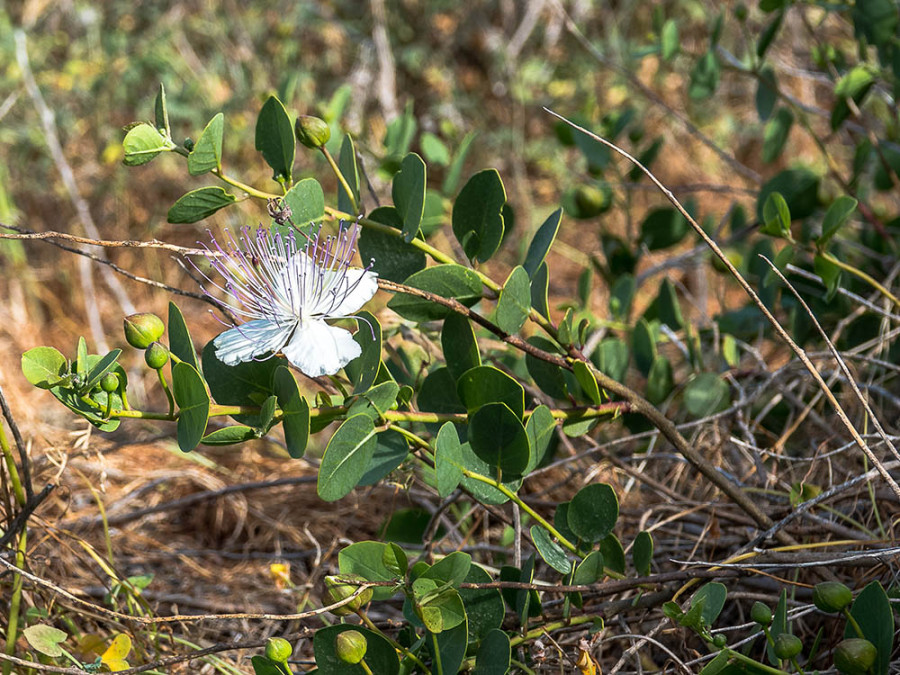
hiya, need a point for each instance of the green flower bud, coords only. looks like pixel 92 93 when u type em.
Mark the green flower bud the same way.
pixel 855 656
pixel 313 132
pixel 109 382
pixel 337 588
pixel 591 201
pixel 278 650
pixel 188 144
pixel 142 329
pixel 761 614
pixel 351 646
pixel 787 646
pixel 719 641
pixel 831 596
pixel 156 356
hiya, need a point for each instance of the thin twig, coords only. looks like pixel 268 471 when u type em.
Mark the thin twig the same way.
pixel 20 446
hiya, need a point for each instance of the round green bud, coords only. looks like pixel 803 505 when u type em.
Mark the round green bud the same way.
pixel 832 596
pixel 342 586
pixel 109 382
pixel 761 614
pixel 156 356
pixel 719 641
pixel 787 646
pixel 740 12
pixel 591 201
pixel 142 329
pixel 351 646
pixel 188 144
pixel 313 132
pixel 855 656
pixel 278 650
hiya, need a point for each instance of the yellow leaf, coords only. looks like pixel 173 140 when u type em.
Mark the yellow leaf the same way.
pixel 115 655
pixel 585 663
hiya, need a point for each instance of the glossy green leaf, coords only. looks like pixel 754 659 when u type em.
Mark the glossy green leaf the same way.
pixel 642 553
pixel 438 393
pixel 588 382
pixel 381 657
pixel 350 170
pixel 482 385
pixel 643 346
pixel 484 606
pixel 542 242
pixel 161 110
pixel 484 493
pixel 477 215
pixel 408 193
pixel 248 383
pixel 589 570
pixel 193 405
pixel 540 428
pixel 267 415
pixel 547 376
pixel 448 460
pixel 451 645
pixel 448 281
pixel 199 204
pixel 81 357
pixel 837 215
pixel 621 296
pixel 294 409
pixel 262 666
pixel 872 611
pixel 660 380
pixel 346 458
pixel 434 149
pixel 497 436
pixel 142 144
pixel 376 401
pixel 391 257
pixel 712 595
pixel 593 512
pixel 207 152
pixel 366 558
pixel 776 133
pixel 363 370
pixel 778 626
pixel 668 40
pixel 98 368
pixel 662 228
pixel 514 303
pixel 494 654
pixel 799 187
pixel 611 358
pixel 540 287
pixel 767 35
pixel 439 606
pixel 230 435
pixel 704 77
pixel 705 394
pixel 459 345
pixel 613 553
pixel 390 452
pixel 275 139
pixel 830 274
pixel 451 569
pixel 776 217
pixel 44 366
pixel 306 200
pixel 551 552
pixel 766 92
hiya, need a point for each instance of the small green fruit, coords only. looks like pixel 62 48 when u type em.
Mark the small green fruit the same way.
pixel 591 201
pixel 719 641
pixel 855 656
pixel 278 650
pixel 761 614
pixel 156 356
pixel 109 382
pixel 313 132
pixel 787 646
pixel 832 596
pixel 188 144
pixel 351 646
pixel 342 586
pixel 142 329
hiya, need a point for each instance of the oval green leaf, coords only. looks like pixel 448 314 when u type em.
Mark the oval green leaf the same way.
pixel 514 303
pixel 275 138
pixel 44 366
pixel 593 512
pixel 207 152
pixel 477 215
pixel 142 144
pixel 497 436
pixel 193 405
pixel 346 458
pixel 408 193
pixel 294 410
pixel 549 550
pixel 199 204
pixel 448 281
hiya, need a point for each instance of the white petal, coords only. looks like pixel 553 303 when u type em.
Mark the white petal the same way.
pixel 364 284
pixel 251 339
pixel 319 349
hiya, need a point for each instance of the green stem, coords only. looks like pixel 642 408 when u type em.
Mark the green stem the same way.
pixel 754 664
pixel 852 621
pixel 165 386
pixel 341 179
pixel 18 489
pixel 396 645
pixel 252 191
pixel 15 602
pixel 847 267
pixel 362 663
pixel 497 485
